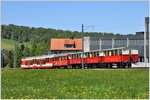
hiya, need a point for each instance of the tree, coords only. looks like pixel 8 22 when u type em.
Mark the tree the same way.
pixel 10 59
pixel 16 56
pixel 33 50
pixel 26 52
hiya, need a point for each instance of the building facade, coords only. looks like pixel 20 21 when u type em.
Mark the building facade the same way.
pixel 65 45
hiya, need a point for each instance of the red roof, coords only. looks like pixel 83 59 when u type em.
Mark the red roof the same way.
pixel 58 44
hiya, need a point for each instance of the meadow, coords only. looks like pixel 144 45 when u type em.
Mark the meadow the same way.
pixel 74 84
pixel 10 44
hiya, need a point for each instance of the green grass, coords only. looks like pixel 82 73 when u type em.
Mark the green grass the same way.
pixel 75 84
pixel 9 44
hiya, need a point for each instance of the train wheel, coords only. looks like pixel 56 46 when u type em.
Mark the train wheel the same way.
pixel 118 65
pixel 121 65
pixel 129 65
pixel 109 65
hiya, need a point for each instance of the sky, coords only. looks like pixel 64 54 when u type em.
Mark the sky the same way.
pixel 111 16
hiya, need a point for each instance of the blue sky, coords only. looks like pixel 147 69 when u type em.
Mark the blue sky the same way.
pixel 117 17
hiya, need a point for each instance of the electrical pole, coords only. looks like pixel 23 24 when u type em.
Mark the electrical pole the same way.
pixel 82 47
pixel 83 43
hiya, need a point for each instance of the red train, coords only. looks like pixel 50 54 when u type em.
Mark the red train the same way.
pixel 120 57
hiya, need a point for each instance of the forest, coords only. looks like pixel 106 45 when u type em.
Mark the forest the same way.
pixel 39 38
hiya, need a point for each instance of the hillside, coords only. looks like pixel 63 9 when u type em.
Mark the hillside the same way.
pixel 9 44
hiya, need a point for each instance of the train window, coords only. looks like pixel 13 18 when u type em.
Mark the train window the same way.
pixel 92 54
pixel 73 56
pixel 52 59
pixel 43 62
pixel 47 59
pixel 115 52
pixel 38 62
pixel 106 53
pixel 31 62
pixel 120 52
pixel 76 56
pixel 87 54
pixel 26 63
pixel 80 55
pixel 112 52
pixel 55 58
pixel 97 53
pixel 69 57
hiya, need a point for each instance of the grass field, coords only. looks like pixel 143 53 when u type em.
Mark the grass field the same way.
pixel 75 84
pixel 9 44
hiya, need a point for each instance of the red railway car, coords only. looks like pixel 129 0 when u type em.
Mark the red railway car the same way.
pixel 121 57
pixel 75 60
pixel 60 60
pixel 44 61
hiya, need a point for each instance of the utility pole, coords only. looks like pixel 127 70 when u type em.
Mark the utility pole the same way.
pixel 83 42
pixel 82 47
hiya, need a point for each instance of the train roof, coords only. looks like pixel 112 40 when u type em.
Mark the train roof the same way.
pixel 38 57
pixel 102 50
pixel 62 54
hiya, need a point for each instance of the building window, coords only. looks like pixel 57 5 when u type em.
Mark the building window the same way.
pixel 136 42
pixel 106 42
pixel 69 45
pixel 120 42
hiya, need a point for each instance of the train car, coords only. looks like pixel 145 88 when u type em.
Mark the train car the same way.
pixel 27 62
pixel 75 60
pixel 43 61
pixel 92 59
pixel 60 60
pixel 122 57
